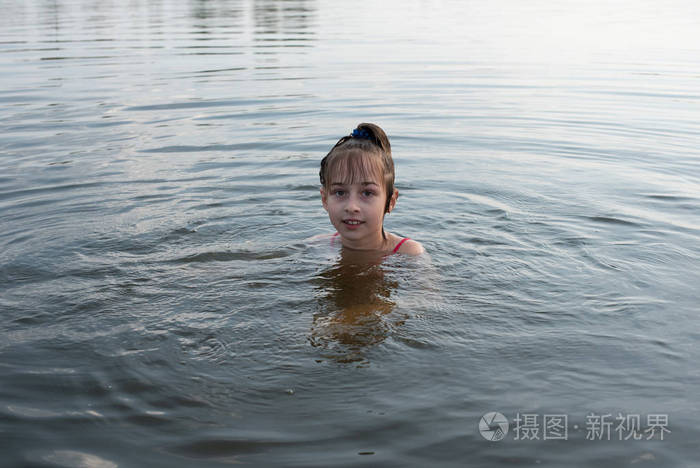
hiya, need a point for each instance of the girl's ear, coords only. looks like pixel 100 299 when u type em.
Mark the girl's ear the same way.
pixel 324 198
pixel 392 202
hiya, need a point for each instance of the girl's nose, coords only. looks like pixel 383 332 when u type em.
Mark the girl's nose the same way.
pixel 352 206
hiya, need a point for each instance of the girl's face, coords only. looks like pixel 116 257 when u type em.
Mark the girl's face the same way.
pixel 356 210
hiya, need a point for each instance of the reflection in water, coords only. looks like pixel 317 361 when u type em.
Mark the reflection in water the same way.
pixel 273 17
pixel 205 9
pixel 355 305
pixel 283 25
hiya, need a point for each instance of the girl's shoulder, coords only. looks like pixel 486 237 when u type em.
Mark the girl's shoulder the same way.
pixel 408 246
pixel 321 236
pixel 330 239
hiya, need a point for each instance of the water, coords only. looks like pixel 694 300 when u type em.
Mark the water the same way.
pixel 159 177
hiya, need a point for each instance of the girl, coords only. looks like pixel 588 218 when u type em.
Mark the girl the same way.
pixel 357 190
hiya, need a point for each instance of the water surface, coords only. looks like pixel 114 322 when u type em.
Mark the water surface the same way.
pixel 159 177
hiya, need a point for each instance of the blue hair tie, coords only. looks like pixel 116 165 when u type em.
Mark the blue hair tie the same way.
pixel 357 133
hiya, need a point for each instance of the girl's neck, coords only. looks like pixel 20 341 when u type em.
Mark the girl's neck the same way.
pixel 378 243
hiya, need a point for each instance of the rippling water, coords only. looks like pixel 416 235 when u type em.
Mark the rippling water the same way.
pixel 159 178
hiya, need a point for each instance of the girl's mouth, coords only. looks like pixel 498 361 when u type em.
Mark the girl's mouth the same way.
pixel 352 223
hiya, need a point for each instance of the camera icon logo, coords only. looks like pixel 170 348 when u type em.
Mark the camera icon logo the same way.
pixel 493 426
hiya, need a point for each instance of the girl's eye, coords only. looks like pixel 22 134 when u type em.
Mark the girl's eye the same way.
pixel 339 193
pixel 367 193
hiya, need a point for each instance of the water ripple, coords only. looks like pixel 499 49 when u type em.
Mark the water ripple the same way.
pixel 159 187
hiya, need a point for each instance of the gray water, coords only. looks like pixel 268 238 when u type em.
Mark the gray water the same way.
pixel 162 306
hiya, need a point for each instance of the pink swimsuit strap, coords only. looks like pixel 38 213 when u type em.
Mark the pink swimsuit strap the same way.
pixel 396 249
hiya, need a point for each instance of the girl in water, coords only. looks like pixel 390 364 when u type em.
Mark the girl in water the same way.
pixel 357 190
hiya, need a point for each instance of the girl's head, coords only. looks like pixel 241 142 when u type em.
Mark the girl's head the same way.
pixel 361 159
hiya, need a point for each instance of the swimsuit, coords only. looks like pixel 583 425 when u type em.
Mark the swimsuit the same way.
pixel 396 249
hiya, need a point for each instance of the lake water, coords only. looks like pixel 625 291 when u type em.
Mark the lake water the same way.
pixel 161 305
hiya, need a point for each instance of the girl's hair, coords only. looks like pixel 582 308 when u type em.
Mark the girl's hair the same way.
pixel 365 152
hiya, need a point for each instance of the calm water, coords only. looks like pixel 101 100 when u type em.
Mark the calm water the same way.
pixel 159 176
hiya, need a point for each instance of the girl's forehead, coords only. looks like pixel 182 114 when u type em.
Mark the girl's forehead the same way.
pixel 366 183
pixel 363 180
pixel 355 170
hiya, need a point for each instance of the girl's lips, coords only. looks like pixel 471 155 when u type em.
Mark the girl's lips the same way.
pixel 352 223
